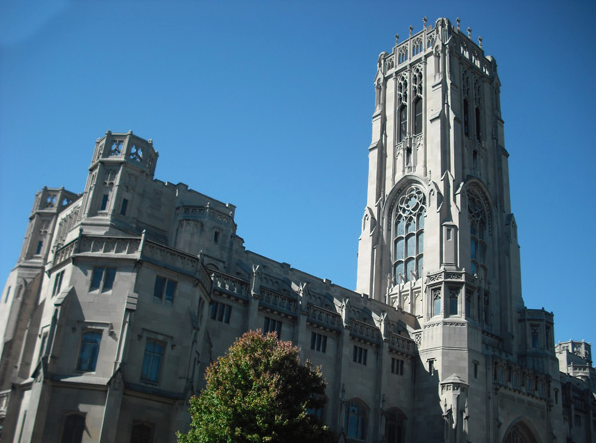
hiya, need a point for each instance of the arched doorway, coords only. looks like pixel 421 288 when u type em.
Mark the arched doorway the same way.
pixel 395 426
pixel 520 432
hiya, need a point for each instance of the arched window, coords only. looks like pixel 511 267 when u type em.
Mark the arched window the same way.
pixel 355 420
pixel 395 426
pixel 403 122
pixel 466 118
pixel 417 115
pixel 402 108
pixel 478 125
pixel 89 351
pixel 520 432
pixel 74 426
pixel 478 232
pixel 436 301
pixel 408 235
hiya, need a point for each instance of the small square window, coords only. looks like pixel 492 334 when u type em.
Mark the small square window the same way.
pixel 102 278
pixel 221 312
pixel 318 342
pixel 359 355
pixel 272 325
pixel 164 290
pixel 397 366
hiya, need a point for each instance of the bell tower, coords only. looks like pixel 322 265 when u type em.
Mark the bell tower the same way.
pixel 438 188
pixel 438 237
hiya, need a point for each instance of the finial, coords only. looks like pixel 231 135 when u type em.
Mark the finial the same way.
pixel 411 28
pixel 469 32
pixel 424 20
pixel 480 42
pixel 396 38
pixel 458 20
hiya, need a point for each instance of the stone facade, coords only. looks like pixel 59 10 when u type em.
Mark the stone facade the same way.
pixel 124 294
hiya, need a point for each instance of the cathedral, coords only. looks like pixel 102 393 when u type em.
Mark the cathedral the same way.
pixel 123 294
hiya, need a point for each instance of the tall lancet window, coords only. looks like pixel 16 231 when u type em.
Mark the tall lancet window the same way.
pixel 478 231
pixel 417 96
pixel 402 109
pixel 408 235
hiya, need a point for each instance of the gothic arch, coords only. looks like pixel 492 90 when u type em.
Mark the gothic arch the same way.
pixel 478 188
pixel 404 230
pixel 521 431
pixel 356 417
pixel 395 426
pixel 401 186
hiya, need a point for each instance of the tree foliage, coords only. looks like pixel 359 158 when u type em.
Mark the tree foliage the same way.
pixel 259 392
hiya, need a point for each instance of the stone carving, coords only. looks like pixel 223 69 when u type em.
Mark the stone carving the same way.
pixel 345 316
pixel 255 281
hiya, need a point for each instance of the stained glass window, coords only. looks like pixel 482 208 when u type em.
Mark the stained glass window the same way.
pixel 409 235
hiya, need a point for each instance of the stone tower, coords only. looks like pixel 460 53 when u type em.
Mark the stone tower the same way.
pixel 438 237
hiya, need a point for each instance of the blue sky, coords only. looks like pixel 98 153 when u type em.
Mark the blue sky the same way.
pixel 268 104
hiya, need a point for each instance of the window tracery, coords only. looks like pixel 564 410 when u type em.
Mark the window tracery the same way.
pixel 402 99
pixel 355 420
pixel 417 46
pixel 408 235
pixel 395 424
pixel 136 153
pixel 417 93
pixel 116 148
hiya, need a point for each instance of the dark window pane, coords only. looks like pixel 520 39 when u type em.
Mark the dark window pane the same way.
pixel 453 305
pixel 124 206
pixel 170 290
pixel 89 351
pixel 160 283
pixel 74 426
pixel 466 118
pixel 418 116
pixel 96 278
pixel 403 122
pixel 109 279
pixel 104 202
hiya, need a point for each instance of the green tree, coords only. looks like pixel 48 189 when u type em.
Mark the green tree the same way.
pixel 259 392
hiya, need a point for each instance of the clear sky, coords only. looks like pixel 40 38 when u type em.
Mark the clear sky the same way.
pixel 267 105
